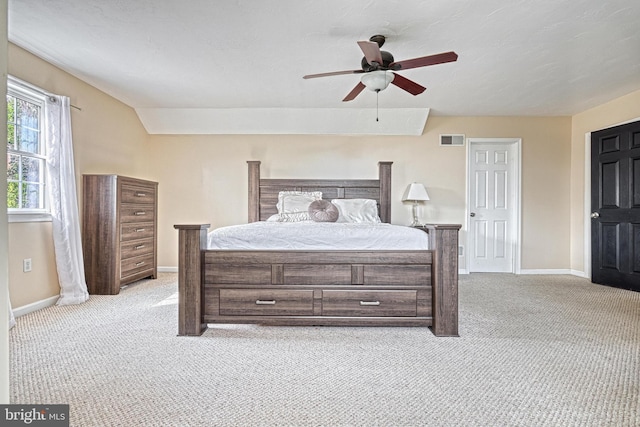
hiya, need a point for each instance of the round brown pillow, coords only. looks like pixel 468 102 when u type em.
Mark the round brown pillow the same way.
pixel 323 211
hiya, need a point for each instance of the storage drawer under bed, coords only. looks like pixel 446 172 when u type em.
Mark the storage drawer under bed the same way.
pixel 267 302
pixel 374 303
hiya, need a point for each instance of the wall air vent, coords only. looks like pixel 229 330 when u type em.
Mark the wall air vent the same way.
pixel 456 140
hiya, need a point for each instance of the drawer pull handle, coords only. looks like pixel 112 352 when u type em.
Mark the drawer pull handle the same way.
pixel 138 247
pixel 369 302
pixel 140 213
pixel 138 264
pixel 139 230
pixel 266 302
pixel 141 194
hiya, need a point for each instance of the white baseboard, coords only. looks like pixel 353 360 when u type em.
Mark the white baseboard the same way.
pixel 35 306
pixel 546 271
pixel 580 274
pixel 541 271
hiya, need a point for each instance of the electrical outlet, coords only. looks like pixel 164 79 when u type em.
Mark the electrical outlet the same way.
pixel 460 250
pixel 26 265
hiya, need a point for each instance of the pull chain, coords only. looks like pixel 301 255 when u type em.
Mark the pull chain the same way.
pixel 377 96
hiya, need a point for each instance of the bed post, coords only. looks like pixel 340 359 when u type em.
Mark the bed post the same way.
pixel 254 190
pixel 443 240
pixel 191 240
pixel 384 175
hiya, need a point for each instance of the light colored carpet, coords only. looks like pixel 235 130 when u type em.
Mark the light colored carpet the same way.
pixel 533 351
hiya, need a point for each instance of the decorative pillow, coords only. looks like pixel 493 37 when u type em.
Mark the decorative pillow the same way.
pixel 296 201
pixel 293 206
pixel 357 210
pixel 323 211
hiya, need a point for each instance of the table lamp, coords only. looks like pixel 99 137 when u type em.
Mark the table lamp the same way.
pixel 416 192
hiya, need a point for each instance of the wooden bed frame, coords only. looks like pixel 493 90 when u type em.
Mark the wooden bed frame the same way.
pixel 342 288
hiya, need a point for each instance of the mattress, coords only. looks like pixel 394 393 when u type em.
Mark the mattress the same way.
pixel 311 235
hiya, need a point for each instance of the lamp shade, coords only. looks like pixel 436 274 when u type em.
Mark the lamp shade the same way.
pixel 377 80
pixel 415 192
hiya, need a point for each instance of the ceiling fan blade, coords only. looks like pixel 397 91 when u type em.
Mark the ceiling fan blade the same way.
pixel 333 73
pixel 371 51
pixel 439 58
pixel 410 86
pixel 354 92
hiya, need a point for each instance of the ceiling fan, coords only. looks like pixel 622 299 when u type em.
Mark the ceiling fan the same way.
pixel 378 69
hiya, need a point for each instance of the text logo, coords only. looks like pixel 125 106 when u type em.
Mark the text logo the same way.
pixel 35 415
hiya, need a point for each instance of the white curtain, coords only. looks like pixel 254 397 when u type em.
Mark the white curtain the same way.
pixel 63 200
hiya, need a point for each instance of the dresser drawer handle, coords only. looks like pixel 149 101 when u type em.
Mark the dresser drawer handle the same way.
pixel 140 213
pixel 140 230
pixel 138 247
pixel 369 302
pixel 138 264
pixel 141 194
pixel 266 302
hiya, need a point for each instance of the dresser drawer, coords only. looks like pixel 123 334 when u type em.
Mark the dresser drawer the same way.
pixel 267 302
pixel 369 303
pixel 136 231
pixel 135 265
pixel 137 213
pixel 136 248
pixel 138 194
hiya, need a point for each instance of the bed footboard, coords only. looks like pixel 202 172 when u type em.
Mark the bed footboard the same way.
pixel 418 287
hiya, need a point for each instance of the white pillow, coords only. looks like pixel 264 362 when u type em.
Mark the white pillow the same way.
pixel 293 206
pixel 357 210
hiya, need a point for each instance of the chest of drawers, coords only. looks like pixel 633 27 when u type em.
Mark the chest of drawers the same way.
pixel 119 231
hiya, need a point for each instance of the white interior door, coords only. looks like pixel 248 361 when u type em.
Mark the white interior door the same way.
pixel 493 200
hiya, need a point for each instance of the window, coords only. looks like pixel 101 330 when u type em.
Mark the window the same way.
pixel 26 157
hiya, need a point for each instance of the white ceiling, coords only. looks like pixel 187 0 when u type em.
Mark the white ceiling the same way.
pixel 516 57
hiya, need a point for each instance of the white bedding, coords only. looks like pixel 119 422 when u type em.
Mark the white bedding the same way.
pixel 317 236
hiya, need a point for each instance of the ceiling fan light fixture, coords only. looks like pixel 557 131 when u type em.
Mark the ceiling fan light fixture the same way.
pixel 377 80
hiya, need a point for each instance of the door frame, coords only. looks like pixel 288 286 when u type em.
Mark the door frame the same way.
pixel 587 198
pixel 516 213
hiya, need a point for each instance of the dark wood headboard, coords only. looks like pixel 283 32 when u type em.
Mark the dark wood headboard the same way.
pixel 263 193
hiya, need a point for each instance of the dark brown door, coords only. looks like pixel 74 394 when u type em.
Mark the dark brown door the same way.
pixel 615 206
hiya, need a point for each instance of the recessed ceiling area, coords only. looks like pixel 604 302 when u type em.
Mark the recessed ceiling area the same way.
pixel 235 61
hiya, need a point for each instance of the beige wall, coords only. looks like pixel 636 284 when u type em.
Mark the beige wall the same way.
pixel 621 110
pixel 204 178
pixel 107 137
pixel 31 240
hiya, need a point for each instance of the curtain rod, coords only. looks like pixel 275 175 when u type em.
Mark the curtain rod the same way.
pixel 35 89
pixel 52 99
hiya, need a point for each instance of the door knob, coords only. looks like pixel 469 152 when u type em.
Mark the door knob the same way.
pixel 472 214
pixel 595 215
